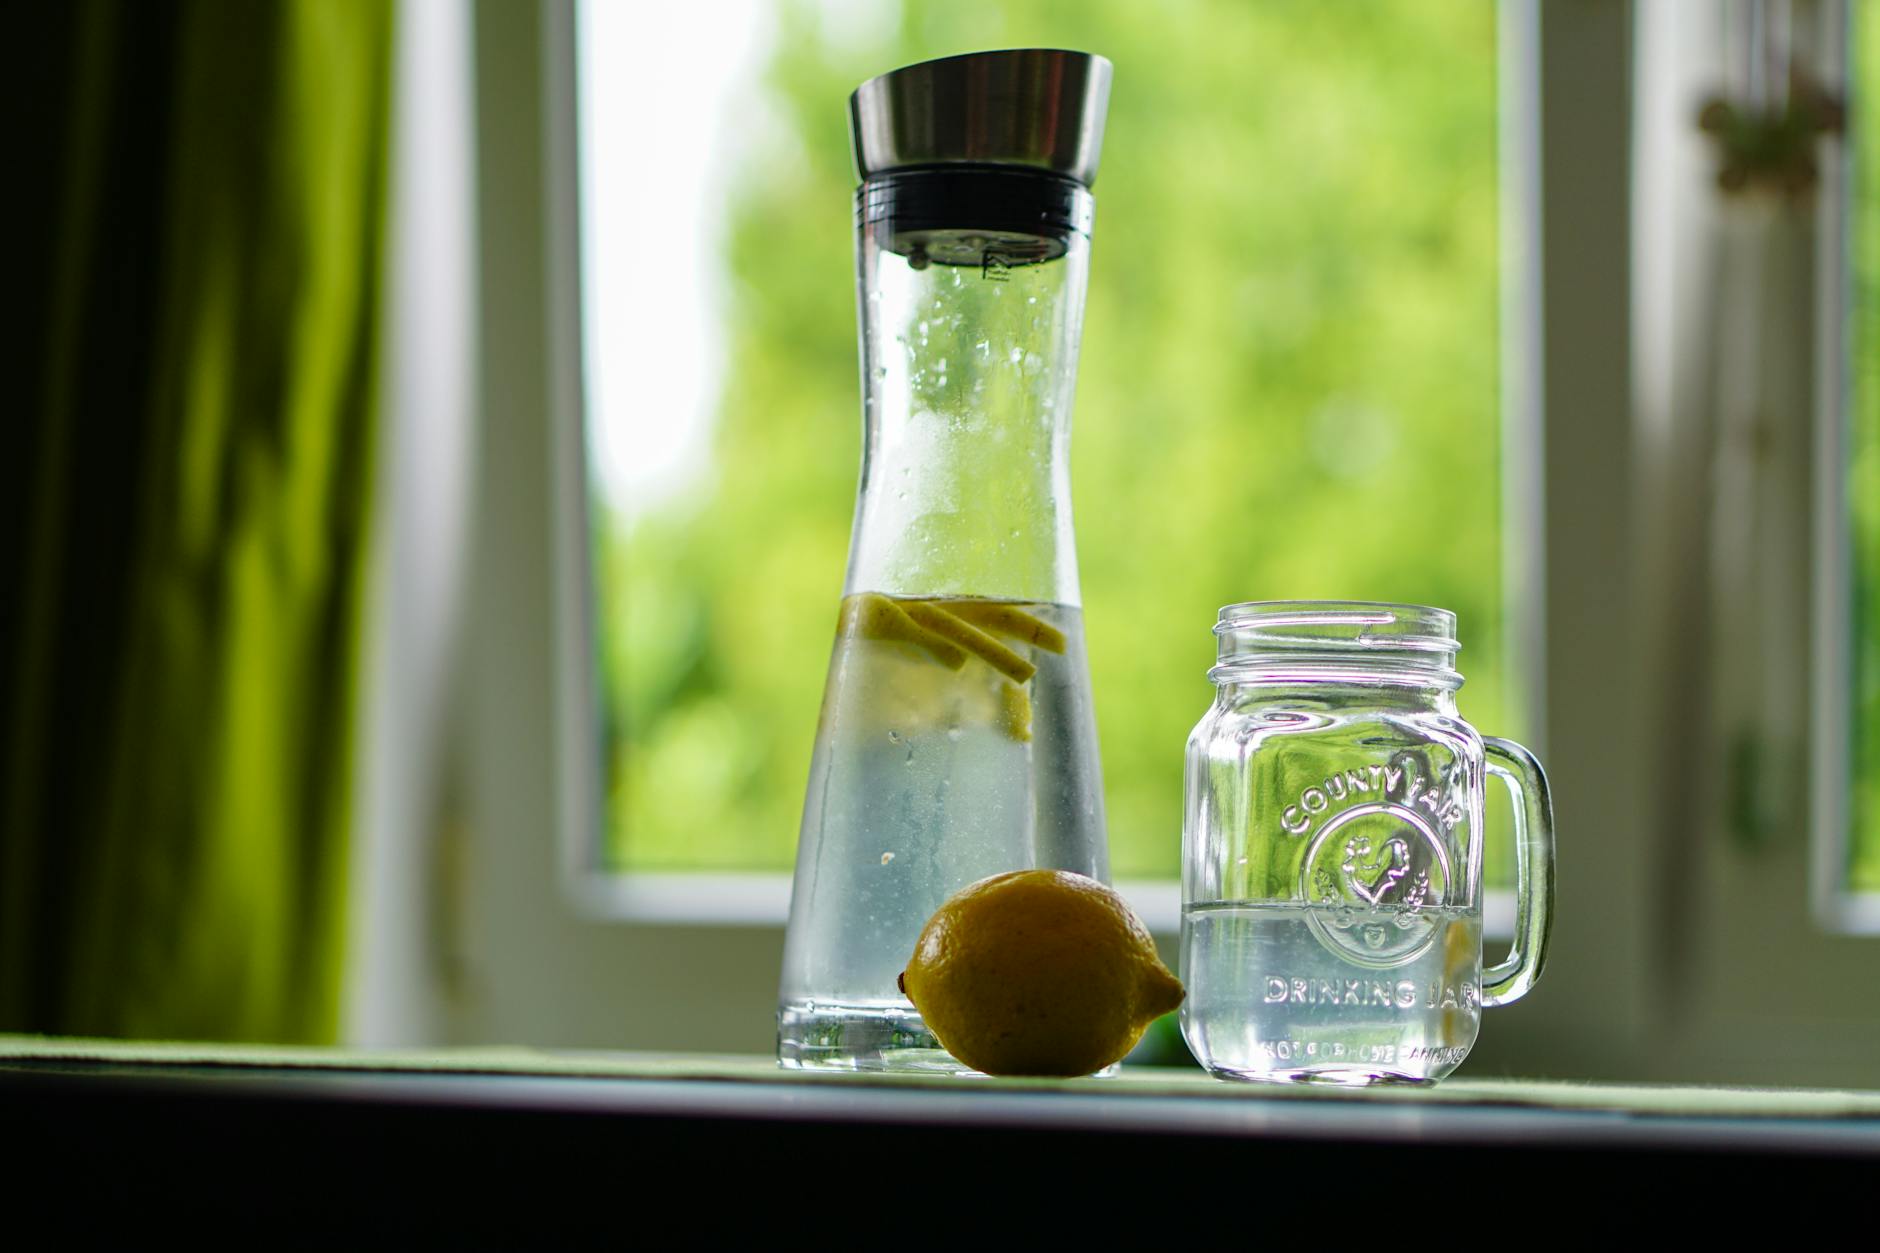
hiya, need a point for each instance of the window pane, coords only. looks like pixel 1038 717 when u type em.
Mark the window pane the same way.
pixel 1288 388
pixel 1864 474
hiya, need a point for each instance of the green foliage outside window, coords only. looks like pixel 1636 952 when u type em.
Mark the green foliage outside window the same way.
pixel 1289 388
pixel 1864 475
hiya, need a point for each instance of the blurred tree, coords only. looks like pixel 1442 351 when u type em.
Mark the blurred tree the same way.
pixel 1289 388
pixel 1863 484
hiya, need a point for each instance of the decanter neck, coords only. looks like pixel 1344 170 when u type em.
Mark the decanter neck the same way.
pixel 968 373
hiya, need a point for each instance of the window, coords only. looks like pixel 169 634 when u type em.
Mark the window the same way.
pixel 1290 381
pixel 1678 954
pixel 1755 258
pixel 1862 867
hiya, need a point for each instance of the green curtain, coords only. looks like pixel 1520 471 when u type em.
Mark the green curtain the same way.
pixel 184 522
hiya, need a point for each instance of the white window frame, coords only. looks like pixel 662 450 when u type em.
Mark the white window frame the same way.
pixel 1838 907
pixel 569 913
pixel 763 899
pixel 529 968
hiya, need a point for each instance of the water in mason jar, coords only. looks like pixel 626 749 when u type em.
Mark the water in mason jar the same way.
pixel 956 741
pixel 1271 994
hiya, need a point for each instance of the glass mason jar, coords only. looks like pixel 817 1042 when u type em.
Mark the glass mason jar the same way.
pixel 1332 850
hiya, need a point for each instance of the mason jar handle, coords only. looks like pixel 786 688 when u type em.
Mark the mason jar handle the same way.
pixel 1534 871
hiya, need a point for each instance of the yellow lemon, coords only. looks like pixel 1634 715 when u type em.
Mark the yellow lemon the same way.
pixel 1038 972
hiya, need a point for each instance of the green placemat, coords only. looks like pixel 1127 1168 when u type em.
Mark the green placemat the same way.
pixel 45 1052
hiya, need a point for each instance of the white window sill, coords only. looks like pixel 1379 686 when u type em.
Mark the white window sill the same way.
pixel 1850 913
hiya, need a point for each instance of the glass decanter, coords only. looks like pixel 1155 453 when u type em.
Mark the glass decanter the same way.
pixel 956 738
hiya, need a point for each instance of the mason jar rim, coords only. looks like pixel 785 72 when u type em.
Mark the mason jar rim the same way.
pixel 1336 641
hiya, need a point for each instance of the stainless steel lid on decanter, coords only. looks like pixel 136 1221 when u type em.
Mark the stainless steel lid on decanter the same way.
pixel 1037 108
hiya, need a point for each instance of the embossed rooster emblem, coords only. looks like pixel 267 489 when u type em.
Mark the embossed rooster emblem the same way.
pixel 1374 875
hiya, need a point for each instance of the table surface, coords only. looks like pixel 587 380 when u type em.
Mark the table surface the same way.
pixel 272 1114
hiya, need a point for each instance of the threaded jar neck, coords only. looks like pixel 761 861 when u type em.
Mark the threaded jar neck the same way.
pixel 1336 642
